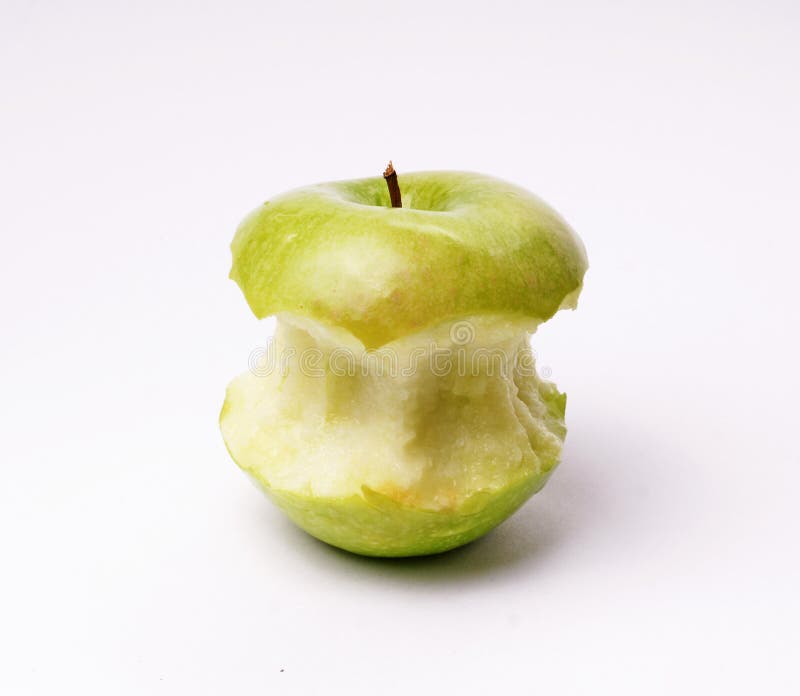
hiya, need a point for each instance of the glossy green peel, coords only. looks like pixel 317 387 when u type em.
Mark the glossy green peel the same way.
pixel 463 244
pixel 349 423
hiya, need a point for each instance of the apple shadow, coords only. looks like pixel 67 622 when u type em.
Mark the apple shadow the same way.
pixel 595 489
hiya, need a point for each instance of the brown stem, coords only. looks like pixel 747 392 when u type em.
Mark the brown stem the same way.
pixel 394 188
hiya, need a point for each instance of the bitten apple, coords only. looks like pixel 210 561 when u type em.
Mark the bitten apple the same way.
pixel 402 413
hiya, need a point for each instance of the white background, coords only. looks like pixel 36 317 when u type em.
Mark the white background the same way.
pixel 663 555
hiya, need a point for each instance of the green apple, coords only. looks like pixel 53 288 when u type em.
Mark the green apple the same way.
pixel 398 411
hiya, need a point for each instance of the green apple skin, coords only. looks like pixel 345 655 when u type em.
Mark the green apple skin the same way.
pixel 462 244
pixel 371 524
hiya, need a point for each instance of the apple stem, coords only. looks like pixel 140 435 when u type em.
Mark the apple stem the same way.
pixel 394 188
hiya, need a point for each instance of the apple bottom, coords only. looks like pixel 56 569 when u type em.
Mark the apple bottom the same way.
pixel 415 453
pixel 372 524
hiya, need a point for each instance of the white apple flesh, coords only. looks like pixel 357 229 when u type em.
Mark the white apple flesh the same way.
pixel 357 445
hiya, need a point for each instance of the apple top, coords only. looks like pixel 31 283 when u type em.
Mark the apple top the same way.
pixel 464 244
